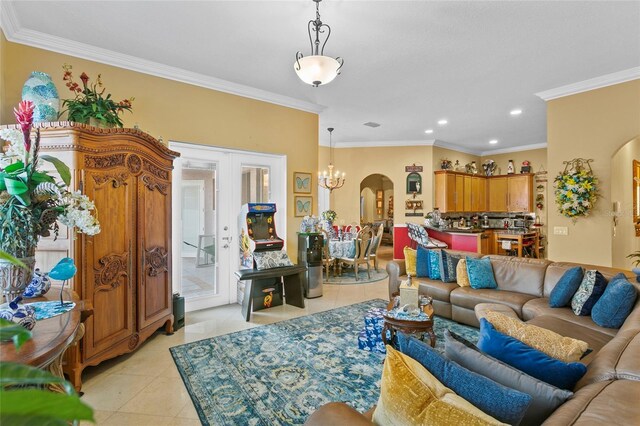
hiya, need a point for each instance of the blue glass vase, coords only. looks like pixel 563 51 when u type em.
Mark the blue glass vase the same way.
pixel 40 90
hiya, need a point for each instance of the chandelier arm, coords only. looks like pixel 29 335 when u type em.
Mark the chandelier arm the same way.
pixel 326 39
pixel 309 29
pixel 341 62
pixel 299 56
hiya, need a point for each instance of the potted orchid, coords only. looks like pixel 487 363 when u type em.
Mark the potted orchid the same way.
pixel 32 200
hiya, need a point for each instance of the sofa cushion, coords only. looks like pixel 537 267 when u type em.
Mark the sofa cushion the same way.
pixel 531 361
pixel 590 290
pixel 537 307
pixel 545 398
pixel 468 297
pixel 610 402
pixel 448 263
pixel 462 277
pixel 519 274
pixel 410 259
pixel 566 287
pixel 504 404
pixel 436 289
pixel 549 342
pixel 480 273
pixel 409 394
pixel 615 304
pixel 556 269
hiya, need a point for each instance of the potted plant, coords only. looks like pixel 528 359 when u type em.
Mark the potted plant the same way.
pixel 33 200
pixel 90 105
pixel 636 270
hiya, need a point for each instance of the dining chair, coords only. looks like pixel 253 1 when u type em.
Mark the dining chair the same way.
pixel 363 247
pixel 327 260
pixel 375 244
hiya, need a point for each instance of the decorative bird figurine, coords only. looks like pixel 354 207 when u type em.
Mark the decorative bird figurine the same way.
pixel 63 271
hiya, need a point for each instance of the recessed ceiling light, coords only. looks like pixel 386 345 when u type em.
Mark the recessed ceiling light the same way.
pixel 493 141
pixel 442 122
pixel 516 112
pixel 428 131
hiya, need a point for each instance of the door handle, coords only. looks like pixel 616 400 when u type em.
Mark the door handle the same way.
pixel 228 239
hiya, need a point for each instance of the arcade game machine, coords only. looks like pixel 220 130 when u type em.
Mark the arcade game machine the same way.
pixel 260 249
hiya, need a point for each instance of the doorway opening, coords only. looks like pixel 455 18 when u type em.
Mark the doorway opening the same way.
pixel 376 204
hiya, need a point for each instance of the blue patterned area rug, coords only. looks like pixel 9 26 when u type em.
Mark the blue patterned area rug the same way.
pixel 279 374
pixel 349 277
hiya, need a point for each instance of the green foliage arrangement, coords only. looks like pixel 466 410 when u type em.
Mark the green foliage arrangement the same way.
pixel 576 189
pixel 90 102
pixel 329 215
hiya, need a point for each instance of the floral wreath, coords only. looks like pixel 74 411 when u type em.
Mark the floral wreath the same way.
pixel 576 189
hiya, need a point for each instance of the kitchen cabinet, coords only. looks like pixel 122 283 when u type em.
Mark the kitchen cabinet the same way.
pixel 520 193
pixel 467 194
pixel 485 242
pixel 448 190
pixel 498 194
pixel 478 194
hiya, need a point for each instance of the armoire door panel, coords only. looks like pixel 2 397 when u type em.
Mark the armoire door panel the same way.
pixel 154 239
pixel 109 270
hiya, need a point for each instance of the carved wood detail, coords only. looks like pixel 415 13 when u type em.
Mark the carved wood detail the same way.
pixel 118 179
pixel 134 164
pixel 134 340
pixel 156 261
pixel 107 277
pixel 152 184
pixel 104 162
pixel 155 170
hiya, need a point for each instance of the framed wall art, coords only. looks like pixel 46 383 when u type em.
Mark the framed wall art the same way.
pixel 302 182
pixel 303 206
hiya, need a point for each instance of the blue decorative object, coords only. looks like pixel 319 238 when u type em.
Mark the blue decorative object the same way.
pixel 481 273
pixel 39 285
pixel 448 264
pixel 615 304
pixel 40 90
pixel 63 271
pixel 505 404
pixel 23 315
pixel 50 309
pixel 566 287
pixel 531 361
pixel 590 290
pixel 422 263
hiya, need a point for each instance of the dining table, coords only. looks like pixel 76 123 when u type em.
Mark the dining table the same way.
pixel 342 248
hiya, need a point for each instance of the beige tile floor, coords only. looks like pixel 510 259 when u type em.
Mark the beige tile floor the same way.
pixel 145 388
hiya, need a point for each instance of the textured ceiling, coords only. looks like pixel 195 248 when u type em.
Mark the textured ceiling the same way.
pixel 407 64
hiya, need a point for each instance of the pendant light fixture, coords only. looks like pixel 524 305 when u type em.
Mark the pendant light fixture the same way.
pixel 317 69
pixel 331 180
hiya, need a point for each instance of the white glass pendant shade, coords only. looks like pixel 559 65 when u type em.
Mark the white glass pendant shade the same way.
pixel 317 70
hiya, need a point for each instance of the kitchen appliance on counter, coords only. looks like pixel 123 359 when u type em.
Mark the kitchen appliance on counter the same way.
pixel 485 222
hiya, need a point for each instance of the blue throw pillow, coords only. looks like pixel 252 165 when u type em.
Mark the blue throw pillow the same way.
pixel 503 403
pixel 434 264
pixel 615 304
pixel 531 361
pixel 480 273
pixel 422 262
pixel 590 290
pixel 448 264
pixel 566 287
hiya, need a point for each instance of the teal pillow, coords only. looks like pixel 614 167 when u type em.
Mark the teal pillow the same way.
pixel 434 264
pixel 566 287
pixel 615 304
pixel 480 273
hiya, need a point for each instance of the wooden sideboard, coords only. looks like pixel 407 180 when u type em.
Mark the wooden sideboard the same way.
pixel 125 270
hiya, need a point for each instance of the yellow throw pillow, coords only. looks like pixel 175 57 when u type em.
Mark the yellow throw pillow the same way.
pixel 411 395
pixel 410 260
pixel 462 277
pixel 551 343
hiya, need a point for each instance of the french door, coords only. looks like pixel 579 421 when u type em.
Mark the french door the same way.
pixel 210 185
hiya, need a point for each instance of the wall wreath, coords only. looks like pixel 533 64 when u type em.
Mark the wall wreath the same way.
pixel 576 188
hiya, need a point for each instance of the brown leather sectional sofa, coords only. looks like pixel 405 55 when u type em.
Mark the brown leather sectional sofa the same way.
pixel 609 393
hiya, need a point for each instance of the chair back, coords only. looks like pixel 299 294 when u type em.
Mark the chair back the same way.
pixel 325 245
pixel 363 243
pixel 378 230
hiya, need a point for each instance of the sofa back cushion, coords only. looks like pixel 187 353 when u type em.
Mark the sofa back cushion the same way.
pixel 519 274
pixel 556 269
pixel 612 309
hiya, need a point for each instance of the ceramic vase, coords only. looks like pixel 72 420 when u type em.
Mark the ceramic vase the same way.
pixel 18 313
pixel 14 279
pixel 40 90
pixel 39 285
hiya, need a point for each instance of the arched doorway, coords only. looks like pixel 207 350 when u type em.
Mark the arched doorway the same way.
pixel 376 203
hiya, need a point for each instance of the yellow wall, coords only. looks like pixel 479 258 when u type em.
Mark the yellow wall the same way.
pixel 595 125
pixel 181 112
pixel 3 42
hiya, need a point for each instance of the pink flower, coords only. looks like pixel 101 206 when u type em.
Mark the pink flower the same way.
pixel 85 78
pixel 24 116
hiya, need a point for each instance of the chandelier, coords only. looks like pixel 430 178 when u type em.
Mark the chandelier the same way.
pixel 331 180
pixel 317 69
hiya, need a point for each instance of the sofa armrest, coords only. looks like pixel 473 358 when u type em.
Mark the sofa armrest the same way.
pixel 338 413
pixel 395 270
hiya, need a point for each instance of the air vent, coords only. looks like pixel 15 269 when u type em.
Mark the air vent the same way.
pixel 371 124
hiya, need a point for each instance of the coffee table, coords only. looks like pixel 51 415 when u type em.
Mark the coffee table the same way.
pixel 395 321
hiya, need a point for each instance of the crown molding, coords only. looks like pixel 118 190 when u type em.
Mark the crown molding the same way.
pixel 514 149
pixel 454 147
pixel 378 144
pixel 14 33
pixel 591 84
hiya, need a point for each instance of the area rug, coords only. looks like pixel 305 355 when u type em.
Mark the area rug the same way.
pixel 349 277
pixel 279 374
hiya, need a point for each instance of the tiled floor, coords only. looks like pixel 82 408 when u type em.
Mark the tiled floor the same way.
pixel 144 388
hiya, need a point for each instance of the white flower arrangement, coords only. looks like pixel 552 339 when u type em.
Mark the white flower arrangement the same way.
pixel 576 189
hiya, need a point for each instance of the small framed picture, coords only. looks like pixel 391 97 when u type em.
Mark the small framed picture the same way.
pixel 379 204
pixel 302 182
pixel 303 206
pixel 379 194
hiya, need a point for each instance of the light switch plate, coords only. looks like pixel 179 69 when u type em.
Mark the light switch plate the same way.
pixel 560 230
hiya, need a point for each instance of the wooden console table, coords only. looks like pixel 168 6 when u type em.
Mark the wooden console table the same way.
pixel 293 290
pixel 51 337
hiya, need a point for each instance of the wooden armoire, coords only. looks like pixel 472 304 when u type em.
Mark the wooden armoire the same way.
pixel 125 270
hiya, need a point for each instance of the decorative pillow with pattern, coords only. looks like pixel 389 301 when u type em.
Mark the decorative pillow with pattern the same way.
pixel 591 288
pixel 448 264
pixel 271 259
pixel 410 260
pixel 462 277
pixel 551 343
pixel 434 264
